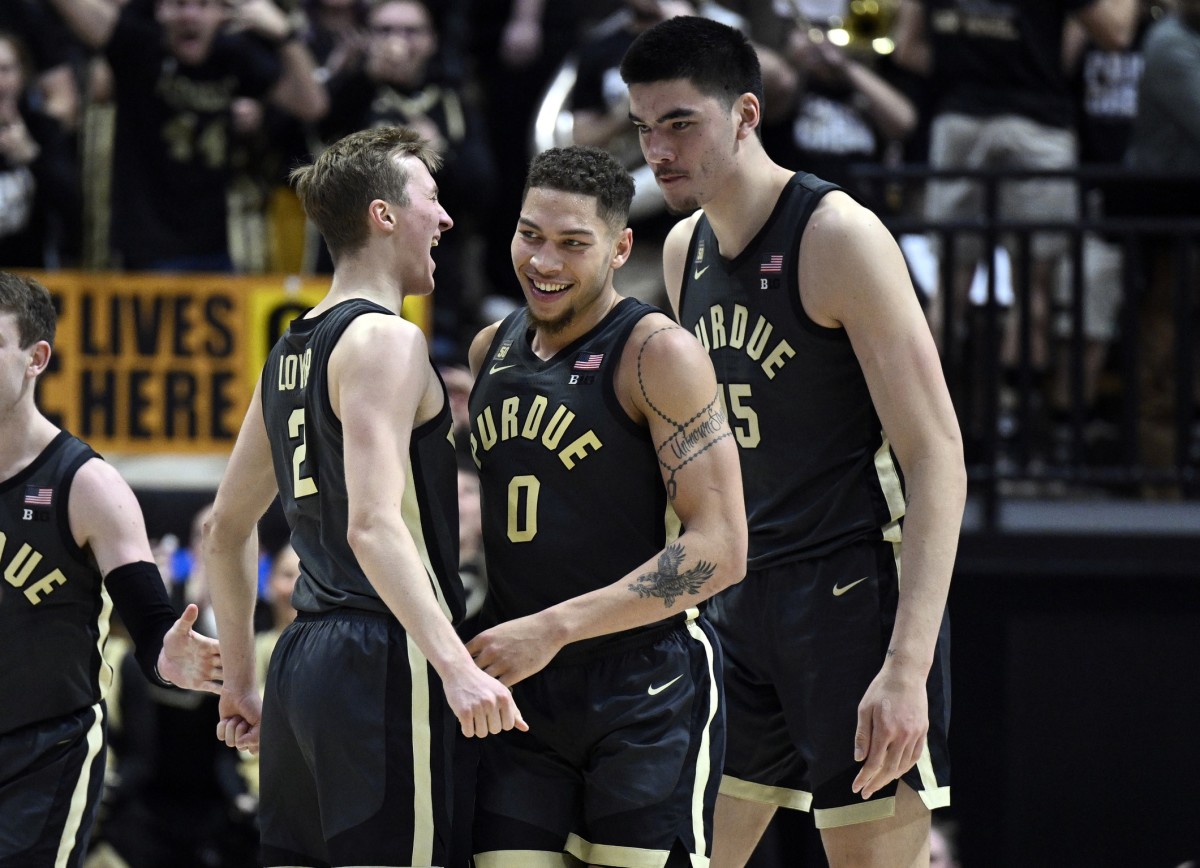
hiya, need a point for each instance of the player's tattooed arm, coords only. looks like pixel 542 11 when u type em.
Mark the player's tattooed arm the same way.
pixel 689 438
pixel 669 581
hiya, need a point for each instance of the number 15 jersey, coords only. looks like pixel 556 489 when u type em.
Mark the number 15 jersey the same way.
pixel 817 469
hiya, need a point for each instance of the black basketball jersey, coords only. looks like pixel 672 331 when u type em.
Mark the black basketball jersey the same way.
pixel 572 494
pixel 308 451
pixel 54 610
pixel 817 469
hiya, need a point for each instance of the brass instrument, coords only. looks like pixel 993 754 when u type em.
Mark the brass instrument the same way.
pixel 865 25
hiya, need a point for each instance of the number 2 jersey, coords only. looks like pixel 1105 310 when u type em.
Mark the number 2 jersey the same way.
pixel 572 493
pixel 308 451
pixel 54 610
pixel 817 469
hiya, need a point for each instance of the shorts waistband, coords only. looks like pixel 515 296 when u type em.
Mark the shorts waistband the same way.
pixel 623 643
pixel 346 614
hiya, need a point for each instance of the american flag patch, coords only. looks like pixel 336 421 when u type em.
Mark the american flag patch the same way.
pixel 35 496
pixel 773 264
pixel 589 361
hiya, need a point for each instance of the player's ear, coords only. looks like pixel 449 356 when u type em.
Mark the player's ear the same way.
pixel 622 248
pixel 380 214
pixel 39 358
pixel 747 114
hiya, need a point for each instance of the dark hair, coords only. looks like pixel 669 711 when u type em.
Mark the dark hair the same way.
pixel 337 187
pixel 32 305
pixel 588 171
pixel 717 59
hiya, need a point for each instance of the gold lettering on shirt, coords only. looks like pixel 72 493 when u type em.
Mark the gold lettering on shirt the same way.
pixel 719 330
pixel 293 370
pixel 20 567
pixel 527 419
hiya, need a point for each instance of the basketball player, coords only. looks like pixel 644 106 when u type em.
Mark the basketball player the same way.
pixel 836 644
pixel 612 509
pixel 72 544
pixel 350 424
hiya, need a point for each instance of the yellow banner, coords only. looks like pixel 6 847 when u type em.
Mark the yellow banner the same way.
pixel 166 363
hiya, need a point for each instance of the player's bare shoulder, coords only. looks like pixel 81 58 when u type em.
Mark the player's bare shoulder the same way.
pixel 675 250
pixel 380 355
pixel 101 502
pixel 663 367
pixel 843 248
pixel 837 218
pixel 479 346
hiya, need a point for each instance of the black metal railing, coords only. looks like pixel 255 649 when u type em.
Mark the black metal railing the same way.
pixel 1135 435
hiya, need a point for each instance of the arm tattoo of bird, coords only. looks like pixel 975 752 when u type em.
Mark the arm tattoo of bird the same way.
pixel 668 582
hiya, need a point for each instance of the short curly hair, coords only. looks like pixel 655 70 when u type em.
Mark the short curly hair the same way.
pixel 588 171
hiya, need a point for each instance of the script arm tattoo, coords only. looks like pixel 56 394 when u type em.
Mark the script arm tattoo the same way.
pixel 668 582
pixel 691 438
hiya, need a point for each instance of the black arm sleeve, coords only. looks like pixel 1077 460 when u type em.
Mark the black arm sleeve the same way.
pixel 141 600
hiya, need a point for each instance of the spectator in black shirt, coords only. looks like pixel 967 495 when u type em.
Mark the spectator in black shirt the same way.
pixel 176 78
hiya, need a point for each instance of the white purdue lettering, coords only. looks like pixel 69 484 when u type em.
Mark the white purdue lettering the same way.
pixel 731 332
pixel 17 571
pixel 758 338
pixel 718 326
pixel 578 450
pixel 24 562
pixel 27 514
pixel 782 352
pixel 533 419
pixel 487 429
pixel 508 418
pixel 43 586
pixel 528 424
pixel 762 283
pixel 737 327
pixel 559 422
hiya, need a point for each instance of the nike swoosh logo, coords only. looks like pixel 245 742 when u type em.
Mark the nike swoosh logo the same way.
pixel 654 691
pixel 838 590
pixel 495 369
pixel 699 271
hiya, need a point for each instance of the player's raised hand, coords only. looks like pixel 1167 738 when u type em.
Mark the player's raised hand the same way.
pixel 188 659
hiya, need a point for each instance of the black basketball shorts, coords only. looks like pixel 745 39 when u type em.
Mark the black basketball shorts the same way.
pixel 356 747
pixel 621 762
pixel 802 642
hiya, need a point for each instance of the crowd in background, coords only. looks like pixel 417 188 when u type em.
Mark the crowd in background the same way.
pixel 158 135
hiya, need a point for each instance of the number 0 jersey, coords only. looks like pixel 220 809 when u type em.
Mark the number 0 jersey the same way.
pixel 817 469
pixel 54 610
pixel 572 493
pixel 309 456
